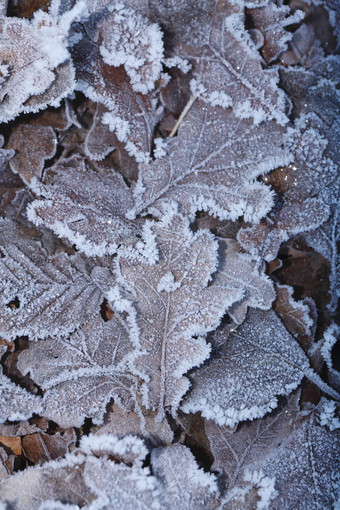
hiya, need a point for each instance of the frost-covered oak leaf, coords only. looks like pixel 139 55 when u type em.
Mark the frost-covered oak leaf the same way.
pixel 85 206
pixel 213 164
pixel 43 295
pixel 306 467
pixel 114 80
pixel 16 403
pixel 259 362
pixel 81 374
pixel 235 452
pixel 306 185
pixel 287 447
pixel 34 62
pixel 187 489
pixel 225 62
pixel 232 67
pixel 174 304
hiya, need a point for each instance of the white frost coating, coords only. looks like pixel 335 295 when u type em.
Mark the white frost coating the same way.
pixel 136 44
pixel 121 486
pixel 44 43
pixel 122 129
pixel 331 336
pixel 167 283
pixel 120 126
pixel 234 23
pixel 129 446
pixel 181 63
pixel 326 414
pixel 244 111
pixel 122 305
pixel 228 416
pixel 265 487
pixel 56 505
pixel 218 98
pixel 197 88
pixel 62 230
pixel 160 150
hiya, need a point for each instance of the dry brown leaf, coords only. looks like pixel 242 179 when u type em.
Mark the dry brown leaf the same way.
pixel 33 145
pixel 13 443
pixel 42 447
pixel 272 20
pixel 294 314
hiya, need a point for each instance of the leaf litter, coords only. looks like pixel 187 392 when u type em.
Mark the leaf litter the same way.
pixel 168 254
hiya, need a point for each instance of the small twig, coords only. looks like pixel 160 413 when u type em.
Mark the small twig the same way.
pixel 183 114
pixel 20 207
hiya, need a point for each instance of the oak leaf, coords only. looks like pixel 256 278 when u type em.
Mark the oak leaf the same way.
pixel 171 304
pixel 80 375
pixel 258 362
pixel 44 295
pixel 85 206
pixel 213 164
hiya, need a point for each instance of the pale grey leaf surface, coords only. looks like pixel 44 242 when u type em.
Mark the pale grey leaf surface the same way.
pixel 43 295
pixel 80 375
pixel 213 165
pixel 86 207
pixel 16 403
pixel 187 488
pixel 306 468
pixel 259 362
pixel 120 486
pixel 253 440
pixel 245 272
pixel 174 303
